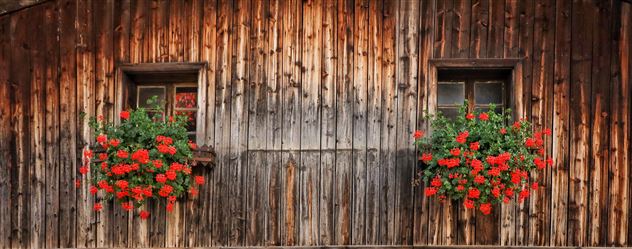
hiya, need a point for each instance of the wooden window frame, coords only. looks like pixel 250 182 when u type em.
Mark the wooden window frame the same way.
pixel 128 76
pixel 514 65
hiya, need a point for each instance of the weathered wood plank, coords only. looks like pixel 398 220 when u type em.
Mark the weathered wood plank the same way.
pixel 175 224
pixel 421 212
pixel 580 120
pixel 561 109
pixel 175 31
pixel 443 33
pixel 85 109
pixel 480 28
pixel 256 176
pixel 374 119
pixel 222 126
pixel 36 115
pixel 359 122
pixel 274 118
pixel 525 51
pixel 157 48
pixel 201 228
pixel 387 128
pixel 461 28
pixel 496 27
pixel 344 122
pixel 328 124
pixel 138 36
pixel 600 109
pixel 6 134
pixel 620 132
pixel 238 164
pixel 407 80
pixel 122 26
pixel 68 117
pixel 542 117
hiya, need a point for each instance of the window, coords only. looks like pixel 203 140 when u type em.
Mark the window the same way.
pixel 173 99
pixel 480 87
pixel 180 89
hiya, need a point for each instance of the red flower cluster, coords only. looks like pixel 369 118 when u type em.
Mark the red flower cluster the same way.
pixel 132 173
pixel 497 170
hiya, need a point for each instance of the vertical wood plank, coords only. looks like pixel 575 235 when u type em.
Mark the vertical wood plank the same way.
pixel 328 125
pixel 138 36
pixel 157 48
pixel 68 167
pixel 310 122
pixel 461 28
pixel 274 76
pixel 344 122
pixel 20 78
pixel 389 118
pixel 222 115
pixel 580 120
pixel 374 119
pixel 201 230
pixel 600 109
pixel 542 117
pixel 122 25
pixel 480 28
pixel 6 135
pixel 525 51
pixel 85 109
pixel 36 115
pixel 559 182
pixel 52 128
pixel 176 28
pixel 407 80
pixel 620 132
pixel 496 29
pixel 238 165
pixel 421 202
pixel 443 32
pixel 256 176
pixel 359 141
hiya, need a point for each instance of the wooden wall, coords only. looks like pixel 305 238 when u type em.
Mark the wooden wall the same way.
pixel 311 104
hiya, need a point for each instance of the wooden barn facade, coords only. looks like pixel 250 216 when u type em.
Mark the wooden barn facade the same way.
pixel 310 106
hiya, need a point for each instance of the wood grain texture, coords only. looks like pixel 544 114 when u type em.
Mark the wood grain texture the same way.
pixel 310 106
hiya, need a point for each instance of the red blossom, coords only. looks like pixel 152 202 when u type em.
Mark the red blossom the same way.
pixel 469 116
pixel 115 142
pixel 455 151
pixel 141 156
pixel 474 146
pixel 161 178
pixel 430 191
pixel 83 170
pixel 87 153
pixel 124 115
pixel 199 180
pixel 418 134
pixel 93 190
pixel 144 214
pixel 486 208
pixel 97 207
pixel 102 138
pixel 436 182
pixel 503 131
pixel 469 204
pixel 483 116
pixel 426 157
pixel 473 193
pixel 122 154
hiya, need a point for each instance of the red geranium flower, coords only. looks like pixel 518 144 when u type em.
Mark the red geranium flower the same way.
pixel 83 170
pixel 426 157
pixel 102 138
pixel 97 206
pixel 144 215
pixel 483 116
pixel 93 190
pixel 418 134
pixel 486 208
pixel 161 178
pixel 474 193
pixel 199 180
pixel 436 182
pixel 455 152
pixel 474 146
pixel 122 154
pixel 87 153
pixel 430 191
pixel 124 115
pixel 469 116
pixel 503 131
pixel 114 142
pixel 469 204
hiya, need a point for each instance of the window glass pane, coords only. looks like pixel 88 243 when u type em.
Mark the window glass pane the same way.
pixel 450 113
pixel 186 97
pixel 487 93
pixel 498 109
pixel 191 118
pixel 450 93
pixel 146 93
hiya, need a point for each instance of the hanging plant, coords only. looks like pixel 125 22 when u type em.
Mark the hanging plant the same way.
pixel 479 159
pixel 139 159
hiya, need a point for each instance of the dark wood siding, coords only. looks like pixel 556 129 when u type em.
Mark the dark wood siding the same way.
pixel 310 107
